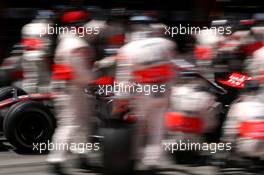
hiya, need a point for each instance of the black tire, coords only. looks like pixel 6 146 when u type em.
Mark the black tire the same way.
pixel 28 122
pixel 7 92
pixel 186 157
pixel 117 148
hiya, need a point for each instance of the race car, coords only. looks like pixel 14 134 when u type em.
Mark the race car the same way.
pixel 26 119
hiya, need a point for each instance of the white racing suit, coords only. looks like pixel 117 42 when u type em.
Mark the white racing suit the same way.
pixel 256 66
pixel 205 51
pixel 35 63
pixel 245 122
pixel 72 72
pixel 145 63
pixel 193 112
pixel 244 127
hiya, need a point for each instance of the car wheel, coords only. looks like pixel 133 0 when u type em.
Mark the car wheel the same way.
pixel 117 148
pixel 27 124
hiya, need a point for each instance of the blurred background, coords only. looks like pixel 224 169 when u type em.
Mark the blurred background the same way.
pixel 15 14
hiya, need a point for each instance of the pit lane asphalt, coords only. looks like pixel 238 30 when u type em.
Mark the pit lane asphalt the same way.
pixel 17 163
